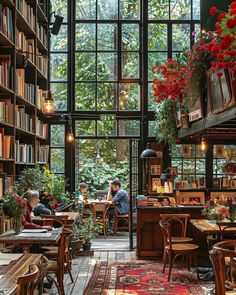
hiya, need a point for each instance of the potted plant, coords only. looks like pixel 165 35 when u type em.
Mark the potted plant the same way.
pixel 89 229
pixel 76 241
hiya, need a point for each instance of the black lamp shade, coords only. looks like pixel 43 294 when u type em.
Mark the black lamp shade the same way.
pixel 148 153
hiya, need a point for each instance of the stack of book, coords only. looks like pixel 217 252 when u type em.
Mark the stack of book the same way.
pixel 6 145
pixel 41 129
pixel 40 97
pixel 42 64
pixel 6 22
pixel 25 45
pixel 22 119
pixel 6 111
pixel 24 153
pixel 42 35
pixel 42 152
pixel 27 12
pixel 6 71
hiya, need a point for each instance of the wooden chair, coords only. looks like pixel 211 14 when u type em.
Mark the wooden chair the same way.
pixel 224 227
pixel 99 211
pixel 26 284
pixel 223 257
pixel 181 220
pixel 56 220
pixel 172 251
pixel 118 217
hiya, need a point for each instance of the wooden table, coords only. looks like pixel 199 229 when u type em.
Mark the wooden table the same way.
pixel 72 218
pixel 15 269
pixel 208 227
pixel 27 241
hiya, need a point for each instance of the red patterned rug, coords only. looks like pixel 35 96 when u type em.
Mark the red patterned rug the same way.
pixel 138 278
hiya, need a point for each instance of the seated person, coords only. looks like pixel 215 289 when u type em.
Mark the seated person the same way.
pixel 32 200
pixel 119 196
pixel 41 209
pixel 83 190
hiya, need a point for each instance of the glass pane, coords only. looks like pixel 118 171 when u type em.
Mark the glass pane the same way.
pixel 85 128
pixel 158 9
pixel 152 129
pixel 57 160
pixel 85 96
pixel 196 9
pixel 85 64
pixel 155 58
pixel 177 152
pixel 129 97
pixel 60 6
pixel 130 37
pixel 85 37
pixel 130 65
pixel 59 42
pixel 151 103
pixel 107 37
pixel 106 96
pixel 58 67
pixel 180 9
pixel 59 91
pixel 200 166
pixel 188 166
pixel 106 128
pixel 157 36
pixel 129 127
pixel 85 9
pixel 57 135
pixel 130 9
pixel 197 29
pixel 107 9
pixel 180 37
pixel 107 66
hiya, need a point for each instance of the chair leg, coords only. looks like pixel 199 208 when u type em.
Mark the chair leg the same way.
pixel 60 281
pixel 115 224
pixel 196 265
pixel 164 261
pixel 170 266
pixel 55 283
pixel 68 267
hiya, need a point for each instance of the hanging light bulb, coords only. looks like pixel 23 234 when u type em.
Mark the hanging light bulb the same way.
pixel 70 136
pixel 48 106
pixel 203 145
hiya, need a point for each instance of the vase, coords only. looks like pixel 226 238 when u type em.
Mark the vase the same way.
pixel 17 224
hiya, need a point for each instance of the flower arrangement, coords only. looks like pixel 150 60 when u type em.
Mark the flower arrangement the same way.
pixel 221 208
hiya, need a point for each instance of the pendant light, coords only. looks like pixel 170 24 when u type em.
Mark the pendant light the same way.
pixel 70 136
pixel 48 105
pixel 203 144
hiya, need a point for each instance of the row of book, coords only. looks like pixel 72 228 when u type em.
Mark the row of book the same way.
pixel 41 94
pixel 42 64
pixel 27 12
pixel 6 71
pixel 6 111
pixel 23 89
pixel 41 129
pixel 22 119
pixel 24 153
pixel 42 35
pixel 25 45
pixel 42 152
pixel 6 22
pixel 6 145
pixel 5 182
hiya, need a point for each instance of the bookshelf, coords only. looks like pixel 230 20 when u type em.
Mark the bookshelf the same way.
pixel 23 86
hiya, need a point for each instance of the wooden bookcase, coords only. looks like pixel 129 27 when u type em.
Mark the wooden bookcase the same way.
pixel 27 74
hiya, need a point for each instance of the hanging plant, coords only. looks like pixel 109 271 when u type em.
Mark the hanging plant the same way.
pixel 165 123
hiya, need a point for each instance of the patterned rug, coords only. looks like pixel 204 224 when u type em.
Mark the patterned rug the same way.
pixel 139 278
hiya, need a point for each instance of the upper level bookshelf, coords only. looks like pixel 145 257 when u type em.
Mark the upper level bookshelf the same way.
pixel 23 86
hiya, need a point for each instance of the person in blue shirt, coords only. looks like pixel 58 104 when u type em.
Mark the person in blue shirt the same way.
pixel 119 196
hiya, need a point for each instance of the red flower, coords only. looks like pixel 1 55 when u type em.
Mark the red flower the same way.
pixel 213 10
pixel 231 23
pixel 226 42
pixel 233 5
pixel 233 11
pixel 49 197
pixel 214 50
pixel 221 16
pixel 220 56
pixel 219 74
pixel 217 24
pixel 18 200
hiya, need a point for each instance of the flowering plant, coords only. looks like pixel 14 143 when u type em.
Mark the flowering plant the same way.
pixel 15 204
pixel 221 208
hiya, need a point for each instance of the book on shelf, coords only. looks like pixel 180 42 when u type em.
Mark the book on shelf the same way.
pixel 42 34
pixel 43 5
pixel 42 64
pixel 27 12
pixel 6 22
pixel 22 119
pixel 23 89
pixel 6 145
pixel 24 45
pixel 42 152
pixel 24 153
pixel 6 181
pixel 41 129
pixel 40 97
pixel 6 111
pixel 6 71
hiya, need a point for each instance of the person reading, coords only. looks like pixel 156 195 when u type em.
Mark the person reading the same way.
pixel 32 200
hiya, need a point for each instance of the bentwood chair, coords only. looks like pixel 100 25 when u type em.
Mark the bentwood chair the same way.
pixel 173 251
pixel 99 211
pixel 223 258
pixel 27 284
pixel 227 230
pixel 118 217
pixel 179 223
